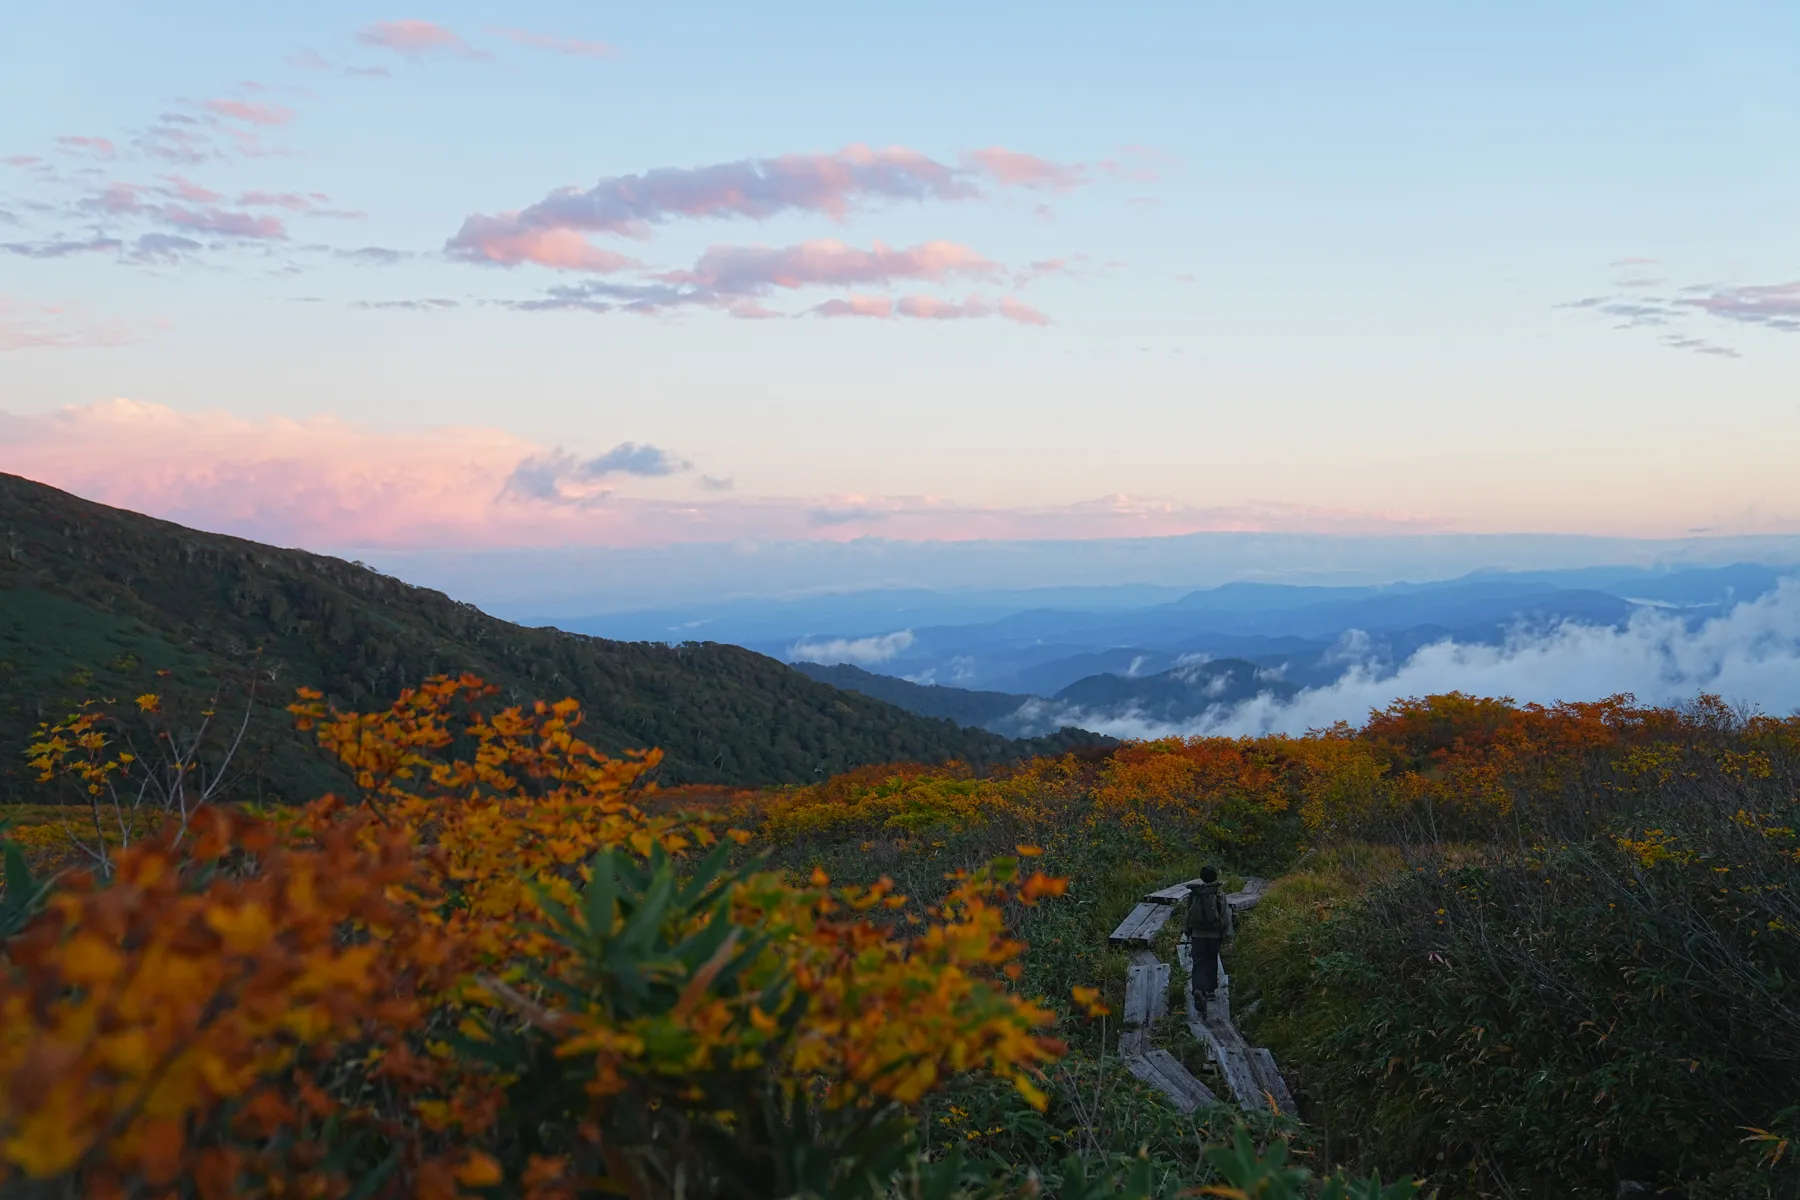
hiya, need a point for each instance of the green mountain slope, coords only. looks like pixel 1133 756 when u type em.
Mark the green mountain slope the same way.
pixel 96 600
pixel 958 704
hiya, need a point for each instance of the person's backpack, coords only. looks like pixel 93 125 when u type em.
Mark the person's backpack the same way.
pixel 1206 911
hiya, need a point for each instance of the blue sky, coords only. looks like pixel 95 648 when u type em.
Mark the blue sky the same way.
pixel 1323 268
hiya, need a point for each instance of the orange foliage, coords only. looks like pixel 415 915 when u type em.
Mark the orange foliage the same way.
pixel 237 1006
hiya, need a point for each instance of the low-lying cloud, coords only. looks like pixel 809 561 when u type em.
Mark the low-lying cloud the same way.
pixel 863 651
pixel 1750 654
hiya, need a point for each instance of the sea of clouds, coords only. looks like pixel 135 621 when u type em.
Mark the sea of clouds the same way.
pixel 1749 655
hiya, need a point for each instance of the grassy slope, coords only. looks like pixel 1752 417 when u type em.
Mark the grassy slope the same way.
pixel 95 600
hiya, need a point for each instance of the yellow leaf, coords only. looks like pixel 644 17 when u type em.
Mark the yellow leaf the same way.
pixel 479 1170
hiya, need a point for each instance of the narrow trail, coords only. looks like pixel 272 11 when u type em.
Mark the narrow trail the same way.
pixel 1249 1071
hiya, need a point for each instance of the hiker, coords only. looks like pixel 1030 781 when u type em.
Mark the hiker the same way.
pixel 1208 927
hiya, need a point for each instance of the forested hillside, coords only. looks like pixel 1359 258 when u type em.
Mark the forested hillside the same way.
pixel 961 705
pixel 96 601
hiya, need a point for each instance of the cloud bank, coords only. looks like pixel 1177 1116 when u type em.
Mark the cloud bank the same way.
pixel 865 650
pixel 1750 654
pixel 324 482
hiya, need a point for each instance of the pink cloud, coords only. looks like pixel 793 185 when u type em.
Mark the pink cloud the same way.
pixel 499 241
pixel 98 146
pixel 199 216
pixel 117 198
pixel 750 269
pixel 224 222
pixel 857 306
pixel 932 309
pixel 325 483
pixel 1017 310
pixel 21 160
pixel 309 60
pixel 1014 168
pixel 250 112
pixel 417 39
pixel 560 45
pixel 310 204
pixel 187 189
pixel 831 185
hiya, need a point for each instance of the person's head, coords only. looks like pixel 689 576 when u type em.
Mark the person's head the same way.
pixel 1209 874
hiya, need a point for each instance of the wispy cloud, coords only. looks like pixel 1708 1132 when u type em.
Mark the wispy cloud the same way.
pixel 832 185
pixel 751 270
pixel 374 256
pixel 250 112
pixel 561 477
pixel 1015 168
pixel 26 326
pixel 99 147
pixel 930 308
pixel 430 304
pixel 416 39
pixel 855 306
pixel 1772 306
pixel 62 247
pixel 737 278
pixel 120 199
pixel 165 249
pixel 575 47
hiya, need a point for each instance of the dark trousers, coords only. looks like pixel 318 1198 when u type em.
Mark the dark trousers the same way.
pixel 1206 963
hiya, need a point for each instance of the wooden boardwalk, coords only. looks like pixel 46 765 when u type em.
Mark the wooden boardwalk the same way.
pixel 1249 1072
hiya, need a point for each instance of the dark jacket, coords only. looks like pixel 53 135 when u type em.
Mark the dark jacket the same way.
pixel 1203 913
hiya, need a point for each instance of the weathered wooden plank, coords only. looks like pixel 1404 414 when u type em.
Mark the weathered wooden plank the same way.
pixel 1262 1065
pixel 1127 929
pixel 1177 1082
pixel 1250 897
pixel 1173 894
pixel 1223 1041
pixel 1139 1064
pixel 1140 924
pixel 1176 893
pixel 1146 993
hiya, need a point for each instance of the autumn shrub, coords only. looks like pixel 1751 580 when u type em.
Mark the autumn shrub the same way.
pixel 490 971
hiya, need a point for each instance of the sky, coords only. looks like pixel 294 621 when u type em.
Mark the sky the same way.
pixel 484 278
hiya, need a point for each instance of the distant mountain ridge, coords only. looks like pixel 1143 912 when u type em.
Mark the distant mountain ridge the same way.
pixel 95 600
pixel 1168 697
pixel 1199 655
